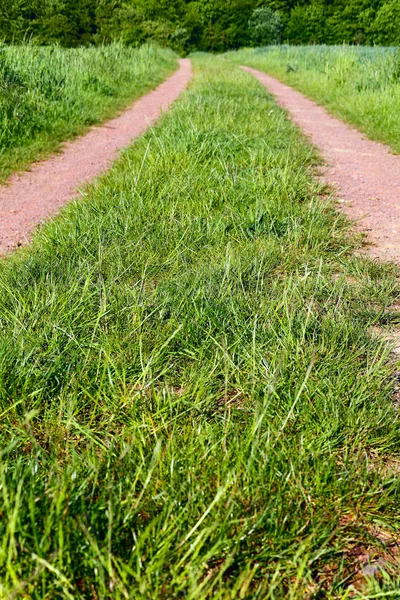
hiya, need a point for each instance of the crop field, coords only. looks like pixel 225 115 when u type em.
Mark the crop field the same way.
pixel 194 403
pixel 358 84
pixel 50 94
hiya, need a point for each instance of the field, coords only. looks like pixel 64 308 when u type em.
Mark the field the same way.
pixel 50 94
pixel 194 403
pixel 358 84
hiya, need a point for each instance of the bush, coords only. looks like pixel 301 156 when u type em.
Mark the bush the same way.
pixel 265 26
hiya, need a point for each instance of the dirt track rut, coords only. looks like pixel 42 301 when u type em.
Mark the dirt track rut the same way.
pixel 30 197
pixel 365 174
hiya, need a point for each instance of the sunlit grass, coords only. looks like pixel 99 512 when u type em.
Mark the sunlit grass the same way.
pixel 358 84
pixel 192 404
pixel 49 94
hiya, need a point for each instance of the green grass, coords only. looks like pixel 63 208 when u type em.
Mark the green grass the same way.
pixel 192 403
pixel 50 94
pixel 358 84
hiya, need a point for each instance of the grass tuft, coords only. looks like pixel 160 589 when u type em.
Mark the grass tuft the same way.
pixel 192 403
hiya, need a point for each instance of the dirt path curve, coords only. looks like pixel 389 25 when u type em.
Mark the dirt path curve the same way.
pixel 30 197
pixel 365 173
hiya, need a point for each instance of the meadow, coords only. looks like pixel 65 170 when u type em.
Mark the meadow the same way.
pixel 50 94
pixel 358 84
pixel 193 401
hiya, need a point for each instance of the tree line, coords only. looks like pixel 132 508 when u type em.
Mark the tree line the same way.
pixel 208 25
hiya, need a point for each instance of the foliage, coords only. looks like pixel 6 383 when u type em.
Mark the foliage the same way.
pixel 192 403
pixel 187 25
pixel 49 94
pixel 265 27
pixel 306 25
pixel 387 24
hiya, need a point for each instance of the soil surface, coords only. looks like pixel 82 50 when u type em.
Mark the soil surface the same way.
pixel 28 198
pixel 364 173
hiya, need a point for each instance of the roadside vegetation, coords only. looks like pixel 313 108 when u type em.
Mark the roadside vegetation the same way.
pixel 50 94
pixel 359 85
pixel 193 403
pixel 209 25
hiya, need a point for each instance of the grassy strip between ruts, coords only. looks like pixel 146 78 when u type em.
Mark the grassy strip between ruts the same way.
pixel 50 94
pixel 360 85
pixel 192 405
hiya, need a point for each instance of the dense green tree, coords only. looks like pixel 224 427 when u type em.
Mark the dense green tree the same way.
pixel 16 18
pixel 68 23
pixel 224 23
pixel 187 25
pixel 386 27
pixel 265 26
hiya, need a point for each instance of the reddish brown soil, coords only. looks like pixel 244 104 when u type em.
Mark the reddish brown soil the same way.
pixel 365 174
pixel 30 197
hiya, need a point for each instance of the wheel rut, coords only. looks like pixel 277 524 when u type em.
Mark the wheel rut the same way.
pixel 364 173
pixel 30 197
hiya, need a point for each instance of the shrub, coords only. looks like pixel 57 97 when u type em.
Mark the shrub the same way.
pixel 265 26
